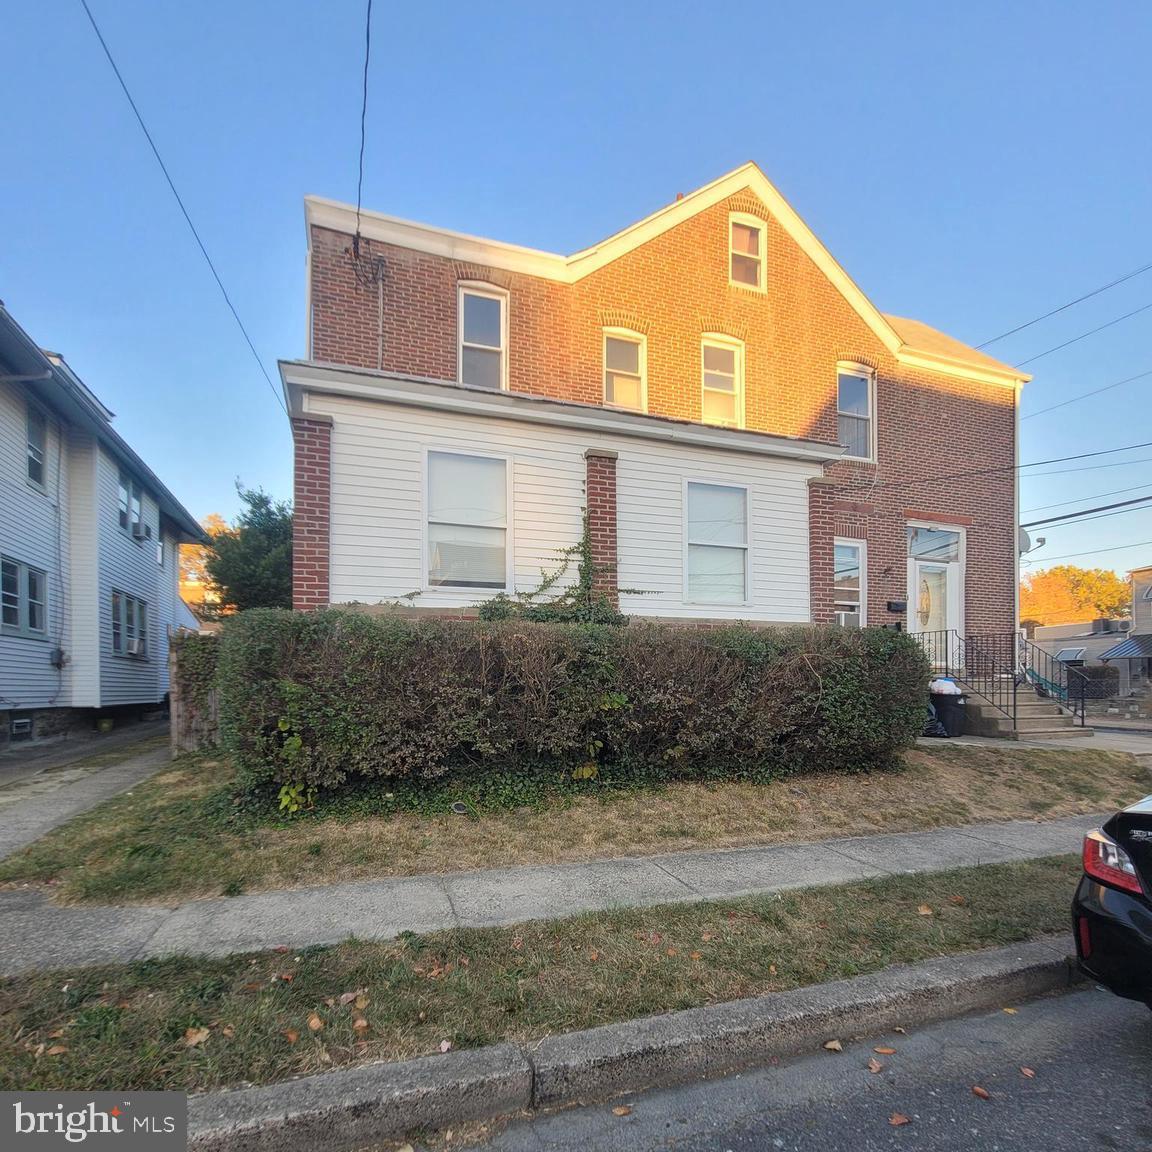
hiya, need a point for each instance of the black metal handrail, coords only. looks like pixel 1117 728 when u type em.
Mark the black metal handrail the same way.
pixel 978 667
pixel 1068 686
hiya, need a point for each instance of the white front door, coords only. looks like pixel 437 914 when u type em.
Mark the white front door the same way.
pixel 935 560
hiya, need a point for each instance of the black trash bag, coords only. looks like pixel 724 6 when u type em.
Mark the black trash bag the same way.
pixel 932 726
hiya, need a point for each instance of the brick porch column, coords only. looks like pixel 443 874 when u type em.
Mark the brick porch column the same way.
pixel 600 497
pixel 821 550
pixel 312 512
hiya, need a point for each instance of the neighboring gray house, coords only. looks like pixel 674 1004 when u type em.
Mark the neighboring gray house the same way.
pixel 89 552
pixel 1133 656
pixel 1082 643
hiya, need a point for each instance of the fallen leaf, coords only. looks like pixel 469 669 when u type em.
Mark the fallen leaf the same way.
pixel 705 936
pixel 874 1065
pixel 902 1031
pixel 291 1035
pixel 360 1025
pixel 57 1050
pixel 228 1031
pixel 593 956
pixel 924 910
pixel 983 1093
pixel 771 969
pixel 517 943
pixel 445 1045
pixel 959 901
pixel 315 1024
pixel 194 1036
pixel 287 977
pixel 1029 1072
pixel 696 956
pixel 885 1051
pixel 897 1119
pixel 621 1110
pixel 670 952
pixel 833 1045
pixel 362 1002
pixel 1011 1011
pixel 347 997
pixel 329 1002
pixel 422 1017
pixel 56 1035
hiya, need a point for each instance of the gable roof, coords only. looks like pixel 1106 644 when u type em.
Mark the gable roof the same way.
pixel 935 352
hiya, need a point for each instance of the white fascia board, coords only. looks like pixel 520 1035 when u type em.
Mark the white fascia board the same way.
pixel 301 378
pixel 931 362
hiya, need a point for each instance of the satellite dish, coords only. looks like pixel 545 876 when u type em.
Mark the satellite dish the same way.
pixel 1023 541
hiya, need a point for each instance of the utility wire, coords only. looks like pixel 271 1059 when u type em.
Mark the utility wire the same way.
pixel 183 209
pixel 1082 336
pixel 1094 496
pixel 1065 307
pixel 1091 467
pixel 1094 551
pixel 1085 395
pixel 363 124
pixel 1123 505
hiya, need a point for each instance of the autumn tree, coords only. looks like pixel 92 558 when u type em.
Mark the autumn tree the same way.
pixel 1066 594
pixel 248 564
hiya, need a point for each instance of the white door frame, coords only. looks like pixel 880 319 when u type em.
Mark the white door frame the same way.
pixel 955 579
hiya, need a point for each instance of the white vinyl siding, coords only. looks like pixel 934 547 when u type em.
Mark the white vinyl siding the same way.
pixel 378 509
pixel 34 529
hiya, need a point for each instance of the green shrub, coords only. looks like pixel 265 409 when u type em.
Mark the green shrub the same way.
pixel 311 699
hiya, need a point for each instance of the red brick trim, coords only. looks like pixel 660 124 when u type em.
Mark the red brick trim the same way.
pixel 600 500
pixel 312 513
pixel 956 518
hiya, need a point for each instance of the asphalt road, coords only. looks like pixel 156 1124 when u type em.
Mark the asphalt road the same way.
pixel 1091 1053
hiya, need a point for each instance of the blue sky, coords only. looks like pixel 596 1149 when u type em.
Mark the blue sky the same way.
pixel 971 165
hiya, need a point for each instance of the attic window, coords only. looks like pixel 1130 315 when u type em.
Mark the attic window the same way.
pixel 746 242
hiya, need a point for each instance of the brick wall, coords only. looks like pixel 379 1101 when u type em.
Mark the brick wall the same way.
pixel 673 289
pixel 312 513
pixel 600 498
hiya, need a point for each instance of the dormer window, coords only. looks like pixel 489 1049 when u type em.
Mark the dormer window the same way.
pixel 483 326
pixel 746 243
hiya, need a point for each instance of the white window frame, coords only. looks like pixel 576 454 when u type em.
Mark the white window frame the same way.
pixel 719 340
pixel 35 412
pixel 509 527
pixel 631 337
pixel 852 368
pixel 140 616
pixel 687 542
pixel 492 292
pixel 862 545
pixel 962 575
pixel 24 601
pixel 761 226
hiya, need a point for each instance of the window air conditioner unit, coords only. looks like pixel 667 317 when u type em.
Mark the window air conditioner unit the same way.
pixel 848 619
pixel 135 646
pixel 142 531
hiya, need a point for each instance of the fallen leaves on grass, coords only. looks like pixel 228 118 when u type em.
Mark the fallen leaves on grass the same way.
pixel 359 1025
pixel 192 1037
pixel 621 1110
pixel 898 1119
pixel 884 1051
pixel 924 910
pixel 834 1046
pixel 291 1035
pixel 445 1045
pixel 315 1024
pixel 57 1049
pixel 1010 1011
pixel 1029 1072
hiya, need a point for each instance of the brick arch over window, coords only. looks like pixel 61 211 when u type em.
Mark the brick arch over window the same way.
pixel 713 324
pixel 481 274
pixel 749 204
pixel 622 318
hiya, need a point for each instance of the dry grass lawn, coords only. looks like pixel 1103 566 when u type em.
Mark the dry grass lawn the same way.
pixel 165 841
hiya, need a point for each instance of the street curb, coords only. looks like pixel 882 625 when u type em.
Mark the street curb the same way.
pixel 346 1109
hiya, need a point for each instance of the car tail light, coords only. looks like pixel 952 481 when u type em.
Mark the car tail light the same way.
pixel 1106 861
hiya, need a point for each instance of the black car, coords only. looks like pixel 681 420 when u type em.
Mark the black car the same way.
pixel 1112 911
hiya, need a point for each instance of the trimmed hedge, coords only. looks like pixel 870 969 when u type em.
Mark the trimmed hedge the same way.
pixel 315 698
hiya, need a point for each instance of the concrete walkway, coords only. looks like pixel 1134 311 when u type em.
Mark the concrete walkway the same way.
pixel 35 805
pixel 38 934
pixel 23 760
pixel 1137 742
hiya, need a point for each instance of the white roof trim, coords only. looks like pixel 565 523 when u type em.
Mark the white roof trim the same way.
pixel 303 377
pixel 443 242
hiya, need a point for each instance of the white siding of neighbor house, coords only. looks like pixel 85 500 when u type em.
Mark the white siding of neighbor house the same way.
pixel 83 668
pixel 129 566
pixel 378 508
pixel 33 530
pixel 1141 607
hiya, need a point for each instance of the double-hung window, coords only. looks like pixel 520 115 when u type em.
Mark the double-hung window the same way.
pixel 716 543
pixel 746 251
pixel 855 407
pixel 129 626
pixel 23 599
pixel 37 424
pixel 722 381
pixel 849 583
pixel 483 326
pixel 625 368
pixel 130 506
pixel 467 521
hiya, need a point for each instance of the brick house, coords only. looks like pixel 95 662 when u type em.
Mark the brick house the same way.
pixel 751 438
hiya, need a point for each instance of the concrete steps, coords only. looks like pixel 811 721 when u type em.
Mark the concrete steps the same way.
pixel 1037 717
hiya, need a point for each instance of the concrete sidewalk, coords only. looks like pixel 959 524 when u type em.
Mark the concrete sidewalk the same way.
pixel 31 807
pixel 39 934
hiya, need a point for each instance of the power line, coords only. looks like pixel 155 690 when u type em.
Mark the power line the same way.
pixel 1083 336
pixel 1123 505
pixel 363 125
pixel 1092 467
pixel 1076 500
pixel 1085 395
pixel 1065 307
pixel 183 209
pixel 1094 551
